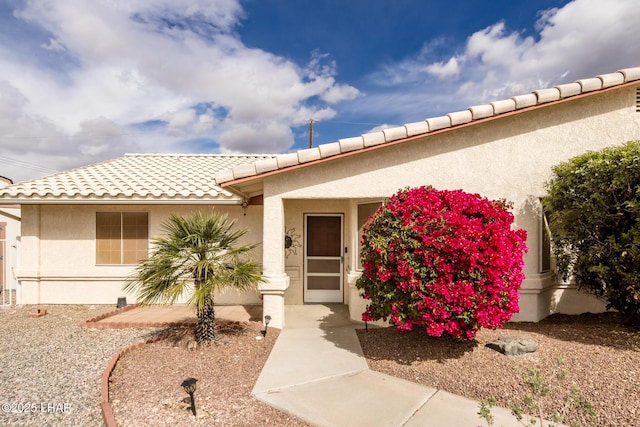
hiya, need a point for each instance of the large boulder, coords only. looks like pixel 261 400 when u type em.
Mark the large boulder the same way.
pixel 513 345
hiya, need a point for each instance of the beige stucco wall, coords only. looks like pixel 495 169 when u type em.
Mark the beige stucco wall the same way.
pixel 508 157
pixel 11 216
pixel 58 253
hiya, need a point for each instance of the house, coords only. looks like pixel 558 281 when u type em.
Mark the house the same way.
pixel 83 230
pixel 307 207
pixel 9 232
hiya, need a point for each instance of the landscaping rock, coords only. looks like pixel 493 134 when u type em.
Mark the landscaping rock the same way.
pixel 513 345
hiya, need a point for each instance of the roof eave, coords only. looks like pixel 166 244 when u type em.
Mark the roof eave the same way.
pixel 160 201
pixel 236 182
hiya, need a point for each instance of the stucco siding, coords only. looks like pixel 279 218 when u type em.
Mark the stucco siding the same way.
pixel 58 253
pixel 11 216
pixel 508 157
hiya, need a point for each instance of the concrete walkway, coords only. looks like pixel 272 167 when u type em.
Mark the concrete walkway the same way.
pixel 317 373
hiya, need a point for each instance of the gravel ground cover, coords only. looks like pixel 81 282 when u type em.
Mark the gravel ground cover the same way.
pixel 145 384
pixel 601 357
pixel 50 368
pixel 53 368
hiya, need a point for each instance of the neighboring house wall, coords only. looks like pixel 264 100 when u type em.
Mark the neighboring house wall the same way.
pixel 10 219
pixel 58 256
pixel 9 241
pixel 507 157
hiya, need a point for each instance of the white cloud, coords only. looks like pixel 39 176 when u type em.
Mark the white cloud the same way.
pixel 22 131
pixel 338 92
pixel 205 123
pixel 582 39
pixel 187 122
pixel 392 75
pixel 242 137
pixel 380 127
pixel 53 45
pixel 33 145
pixel 138 61
pixel 180 122
pixel 444 70
pixel 120 64
pixel 102 138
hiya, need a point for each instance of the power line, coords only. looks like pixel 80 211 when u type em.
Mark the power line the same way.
pixel 346 123
pixel 21 164
pixel 312 121
pixel 77 136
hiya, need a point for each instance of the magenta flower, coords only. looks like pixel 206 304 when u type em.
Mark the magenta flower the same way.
pixel 447 261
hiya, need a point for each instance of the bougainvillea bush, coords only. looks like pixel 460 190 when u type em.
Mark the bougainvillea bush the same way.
pixel 446 261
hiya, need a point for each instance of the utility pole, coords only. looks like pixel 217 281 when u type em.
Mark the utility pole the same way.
pixel 310 133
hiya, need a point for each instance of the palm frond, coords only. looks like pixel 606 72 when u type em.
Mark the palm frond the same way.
pixel 199 254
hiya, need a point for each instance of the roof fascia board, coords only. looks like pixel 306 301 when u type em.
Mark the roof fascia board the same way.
pixel 126 202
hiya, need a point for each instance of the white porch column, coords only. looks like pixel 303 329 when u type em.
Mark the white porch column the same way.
pixel 356 303
pixel 276 281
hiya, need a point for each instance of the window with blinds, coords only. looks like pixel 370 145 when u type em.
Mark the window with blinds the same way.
pixel 121 237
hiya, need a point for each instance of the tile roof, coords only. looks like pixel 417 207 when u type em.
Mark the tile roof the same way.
pixel 478 112
pixel 135 178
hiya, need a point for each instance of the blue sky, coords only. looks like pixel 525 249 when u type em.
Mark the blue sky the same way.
pixel 86 81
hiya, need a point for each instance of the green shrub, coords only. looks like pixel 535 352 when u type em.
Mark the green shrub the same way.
pixel 593 207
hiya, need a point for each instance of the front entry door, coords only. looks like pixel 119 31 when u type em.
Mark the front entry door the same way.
pixel 323 258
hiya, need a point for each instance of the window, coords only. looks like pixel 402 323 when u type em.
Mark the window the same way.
pixel 365 210
pixel 121 237
pixel 545 244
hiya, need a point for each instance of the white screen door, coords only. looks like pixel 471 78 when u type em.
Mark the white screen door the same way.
pixel 323 258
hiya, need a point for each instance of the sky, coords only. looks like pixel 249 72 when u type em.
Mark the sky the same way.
pixel 84 81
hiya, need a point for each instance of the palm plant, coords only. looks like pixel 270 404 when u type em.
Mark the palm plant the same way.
pixel 200 253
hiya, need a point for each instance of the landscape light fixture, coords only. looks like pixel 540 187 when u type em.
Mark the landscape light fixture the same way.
pixel 189 386
pixel 267 319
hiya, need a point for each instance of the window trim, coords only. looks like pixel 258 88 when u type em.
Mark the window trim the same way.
pixel 382 202
pixel 545 256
